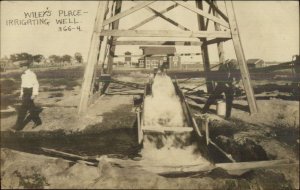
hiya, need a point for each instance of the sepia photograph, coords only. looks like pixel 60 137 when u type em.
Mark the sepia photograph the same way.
pixel 130 94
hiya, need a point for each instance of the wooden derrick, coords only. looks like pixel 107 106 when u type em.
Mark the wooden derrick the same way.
pixel 106 35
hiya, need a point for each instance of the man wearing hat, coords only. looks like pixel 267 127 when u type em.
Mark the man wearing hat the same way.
pixel 29 91
pixel 227 80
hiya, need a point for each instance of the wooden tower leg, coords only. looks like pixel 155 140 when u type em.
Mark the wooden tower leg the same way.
pixel 204 50
pixel 241 57
pixel 115 26
pixel 107 44
pixel 219 44
pixel 92 58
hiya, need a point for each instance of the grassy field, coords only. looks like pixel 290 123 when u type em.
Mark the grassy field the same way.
pixel 58 79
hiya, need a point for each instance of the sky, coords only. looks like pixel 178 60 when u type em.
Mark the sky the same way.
pixel 268 29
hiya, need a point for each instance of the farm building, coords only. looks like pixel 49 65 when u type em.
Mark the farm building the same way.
pixel 157 56
pixel 128 58
pixel 255 63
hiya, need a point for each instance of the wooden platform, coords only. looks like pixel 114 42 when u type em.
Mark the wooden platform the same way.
pixel 167 129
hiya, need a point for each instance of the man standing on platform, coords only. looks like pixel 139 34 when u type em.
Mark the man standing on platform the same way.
pixel 227 80
pixel 29 91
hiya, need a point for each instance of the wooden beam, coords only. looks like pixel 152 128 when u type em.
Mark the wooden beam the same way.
pixel 112 49
pixel 216 41
pixel 167 129
pixel 127 12
pixel 217 10
pixel 204 50
pixel 159 43
pixel 92 59
pixel 150 55
pixel 221 53
pixel 152 17
pixel 252 165
pixel 171 21
pixel 140 132
pixel 166 33
pixel 241 57
pixel 202 13
pixel 69 155
pixel 207 20
pixel 102 46
pixel 231 168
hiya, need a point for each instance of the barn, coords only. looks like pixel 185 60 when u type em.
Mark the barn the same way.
pixel 154 56
pixel 255 63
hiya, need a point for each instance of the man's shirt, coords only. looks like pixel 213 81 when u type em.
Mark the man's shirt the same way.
pixel 29 80
pixel 227 75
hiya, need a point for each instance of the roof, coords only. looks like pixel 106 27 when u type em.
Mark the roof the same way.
pixel 158 50
pixel 254 61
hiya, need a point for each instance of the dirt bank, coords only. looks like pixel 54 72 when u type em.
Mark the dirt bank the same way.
pixel 23 170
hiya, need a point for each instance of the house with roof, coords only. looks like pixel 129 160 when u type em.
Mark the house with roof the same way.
pixel 156 56
pixel 255 63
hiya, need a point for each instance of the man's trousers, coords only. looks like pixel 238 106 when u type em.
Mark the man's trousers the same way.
pixel 27 106
pixel 220 88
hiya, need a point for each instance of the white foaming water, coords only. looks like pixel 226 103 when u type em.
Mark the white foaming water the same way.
pixel 163 109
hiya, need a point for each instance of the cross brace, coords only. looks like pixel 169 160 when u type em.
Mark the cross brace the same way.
pixel 218 36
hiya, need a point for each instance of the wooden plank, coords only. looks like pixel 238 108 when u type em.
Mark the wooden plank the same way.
pixel 166 33
pixel 159 43
pixel 159 168
pixel 207 20
pixel 89 159
pixel 152 17
pixel 92 59
pixel 107 40
pixel 102 51
pixel 229 156
pixel 112 49
pixel 206 122
pixel 217 10
pixel 151 55
pixel 140 132
pixel 241 57
pixel 127 12
pixel 220 45
pixel 167 129
pixel 202 13
pixel 171 21
pixel 204 50
pixel 186 110
pixel 216 41
pixel 251 165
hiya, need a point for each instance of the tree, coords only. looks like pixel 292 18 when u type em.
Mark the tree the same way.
pixel 38 58
pixel 21 56
pixel 78 57
pixel 66 58
pixel 54 59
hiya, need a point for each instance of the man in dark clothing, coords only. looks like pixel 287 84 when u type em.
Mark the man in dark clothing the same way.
pixel 226 79
pixel 29 90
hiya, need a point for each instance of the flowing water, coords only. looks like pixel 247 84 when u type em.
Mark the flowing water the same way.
pixel 163 109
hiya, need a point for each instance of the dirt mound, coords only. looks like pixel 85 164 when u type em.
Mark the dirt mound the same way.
pixel 23 170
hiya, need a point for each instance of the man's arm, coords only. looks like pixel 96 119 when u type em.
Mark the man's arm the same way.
pixel 35 90
pixel 22 85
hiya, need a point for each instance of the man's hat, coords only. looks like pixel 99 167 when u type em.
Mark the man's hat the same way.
pixel 232 64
